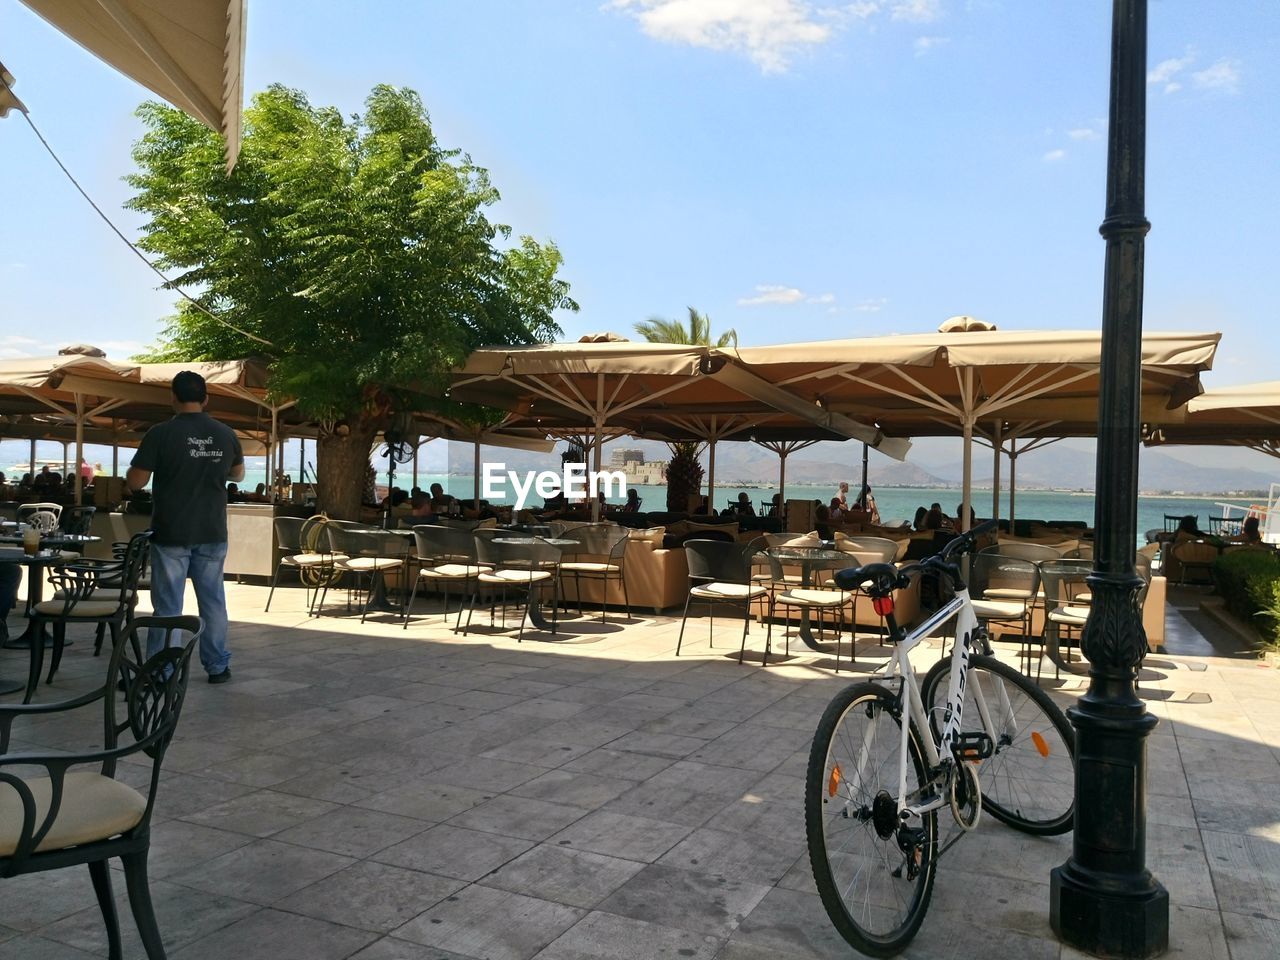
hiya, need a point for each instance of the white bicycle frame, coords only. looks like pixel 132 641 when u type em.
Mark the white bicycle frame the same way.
pixel 899 668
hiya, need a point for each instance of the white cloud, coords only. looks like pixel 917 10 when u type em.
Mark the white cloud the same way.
pixel 822 298
pixel 772 293
pixel 917 11
pixel 924 44
pixel 874 305
pixel 1223 75
pixel 769 32
pixel 1083 133
pixel 1164 72
pixel 1053 156
pixel 14 340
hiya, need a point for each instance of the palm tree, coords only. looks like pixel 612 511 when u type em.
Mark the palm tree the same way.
pixel 697 333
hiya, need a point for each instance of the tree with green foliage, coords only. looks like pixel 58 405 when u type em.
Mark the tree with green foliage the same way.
pixel 353 254
pixel 697 333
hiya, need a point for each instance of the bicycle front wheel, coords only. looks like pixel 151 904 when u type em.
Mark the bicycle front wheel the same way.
pixel 873 872
pixel 1028 782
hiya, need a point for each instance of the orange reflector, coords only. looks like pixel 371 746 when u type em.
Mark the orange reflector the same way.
pixel 834 780
pixel 882 605
pixel 1042 745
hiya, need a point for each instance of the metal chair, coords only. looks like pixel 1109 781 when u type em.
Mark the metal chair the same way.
pixel 1004 590
pixel 814 599
pixel 720 572
pixel 609 544
pixel 302 549
pixel 77 521
pixel 1035 552
pixel 62 809
pixel 1192 556
pixel 365 552
pixel 1173 521
pixel 524 567
pixel 82 597
pixel 1066 606
pixel 446 555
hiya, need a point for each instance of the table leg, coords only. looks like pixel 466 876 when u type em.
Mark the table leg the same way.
pixel 536 616
pixel 806 631
pixel 35 592
pixel 378 601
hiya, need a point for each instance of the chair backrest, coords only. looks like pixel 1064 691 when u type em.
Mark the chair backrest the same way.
pixel 1035 552
pixel 1173 521
pixel 596 540
pixel 1063 580
pixel 148 707
pixel 42 520
pixel 719 561
pixel 77 521
pixel 364 542
pixel 522 556
pixel 886 550
pixel 25 510
pixel 289 533
pixel 444 544
pixel 994 571
pixel 1082 551
pixel 9 510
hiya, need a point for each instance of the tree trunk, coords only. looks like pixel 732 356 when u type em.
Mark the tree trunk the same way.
pixel 341 468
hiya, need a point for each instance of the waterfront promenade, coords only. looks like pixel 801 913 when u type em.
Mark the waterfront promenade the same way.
pixel 361 791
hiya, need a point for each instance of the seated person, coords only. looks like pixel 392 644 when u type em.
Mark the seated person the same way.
pixel 259 495
pixel 935 519
pixel 420 505
pixel 918 522
pixel 834 512
pixel 868 503
pixel 1249 532
pixel 633 502
pixel 233 493
pixel 554 506
pixel 958 523
pixel 704 508
pixel 743 507
pixel 45 479
pixel 441 502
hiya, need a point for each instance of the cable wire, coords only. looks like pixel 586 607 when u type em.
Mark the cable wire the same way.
pixel 130 244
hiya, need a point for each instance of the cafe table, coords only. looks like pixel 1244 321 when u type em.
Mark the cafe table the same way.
pixel 809 560
pixel 536 616
pixel 51 547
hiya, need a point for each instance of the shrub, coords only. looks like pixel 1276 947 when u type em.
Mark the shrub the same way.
pixel 1249 583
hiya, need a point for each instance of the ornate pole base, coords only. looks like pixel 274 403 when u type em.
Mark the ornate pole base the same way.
pixel 1120 924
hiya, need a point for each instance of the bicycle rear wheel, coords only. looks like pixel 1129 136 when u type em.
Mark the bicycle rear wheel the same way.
pixel 1029 780
pixel 874 873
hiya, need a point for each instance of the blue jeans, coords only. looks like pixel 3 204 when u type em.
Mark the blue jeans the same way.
pixel 170 568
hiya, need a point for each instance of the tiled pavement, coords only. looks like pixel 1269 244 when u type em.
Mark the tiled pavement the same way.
pixel 368 792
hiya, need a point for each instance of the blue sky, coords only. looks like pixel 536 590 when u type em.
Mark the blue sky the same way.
pixel 796 170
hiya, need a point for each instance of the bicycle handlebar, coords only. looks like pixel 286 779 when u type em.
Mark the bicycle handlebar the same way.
pixel 885 577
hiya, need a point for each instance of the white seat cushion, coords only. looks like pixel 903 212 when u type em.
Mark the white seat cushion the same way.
pixel 313 559
pixel 728 591
pixel 93 807
pixel 813 598
pixel 588 566
pixel 452 571
pixel 1006 593
pixel 999 609
pixel 85 608
pixel 1072 616
pixel 365 564
pixel 514 576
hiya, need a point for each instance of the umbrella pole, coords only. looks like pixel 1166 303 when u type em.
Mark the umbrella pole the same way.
pixel 968 474
pixel 416 442
pixel 475 480
pixel 79 487
pixel 1013 476
pixel 862 490
pixel 782 485
pixel 598 444
pixel 31 462
pixel 64 461
pixel 995 471
pixel 711 474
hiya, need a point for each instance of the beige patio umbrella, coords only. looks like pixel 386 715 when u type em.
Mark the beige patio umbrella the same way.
pixel 188 52
pixel 611 383
pixel 969 373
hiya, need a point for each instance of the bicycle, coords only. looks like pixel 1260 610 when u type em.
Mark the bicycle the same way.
pixel 994 741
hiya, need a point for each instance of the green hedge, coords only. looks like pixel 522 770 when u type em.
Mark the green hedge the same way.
pixel 1249 583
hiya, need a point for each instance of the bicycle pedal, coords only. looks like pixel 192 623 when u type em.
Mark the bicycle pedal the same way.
pixel 972 747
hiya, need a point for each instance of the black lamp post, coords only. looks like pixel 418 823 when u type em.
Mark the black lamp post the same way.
pixel 1104 899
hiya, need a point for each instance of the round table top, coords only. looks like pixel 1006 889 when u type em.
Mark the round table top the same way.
pixel 531 541
pixel 56 541
pixel 18 555
pixel 811 555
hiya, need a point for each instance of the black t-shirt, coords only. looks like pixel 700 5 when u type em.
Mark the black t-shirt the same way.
pixel 190 458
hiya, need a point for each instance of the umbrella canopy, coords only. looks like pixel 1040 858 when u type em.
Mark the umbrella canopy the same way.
pixel 189 52
pixel 1246 415
pixel 969 373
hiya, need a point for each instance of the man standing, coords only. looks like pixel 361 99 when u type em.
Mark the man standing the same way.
pixel 192 456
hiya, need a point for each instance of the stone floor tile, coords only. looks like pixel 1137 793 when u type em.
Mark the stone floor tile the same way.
pixel 262 872
pixel 521 817
pixel 667 802
pixel 621 835
pixel 759 859
pixel 391 948
pixel 574 789
pixel 454 852
pixel 1246 873
pixel 538 750
pixel 576 878
pixel 31 947
pixel 261 813
pixel 610 762
pixel 371 896
pixel 1251 938
pixel 177 845
pixel 623 938
pixel 424 800
pixel 705 903
pixel 495 924
pixel 182 914
pixel 792 922
pixel 352 831
pixel 30 901
pixel 280 936
pixel 490 775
